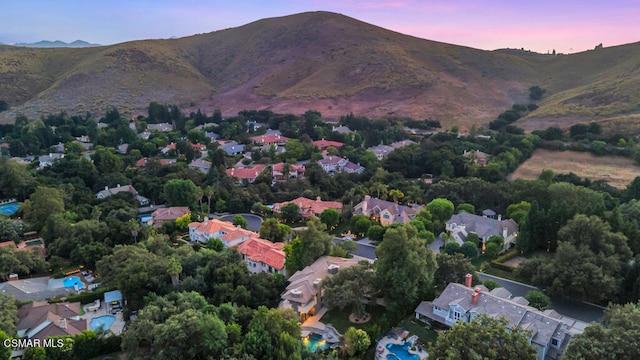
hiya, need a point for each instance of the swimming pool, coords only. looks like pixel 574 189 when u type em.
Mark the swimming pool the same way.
pixel 72 281
pixel 104 322
pixel 34 243
pixel 315 342
pixel 9 209
pixel 401 352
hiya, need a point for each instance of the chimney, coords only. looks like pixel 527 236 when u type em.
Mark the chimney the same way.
pixel 475 296
pixel 118 185
pixel 468 280
pixel 206 220
pixel 499 217
pixel 106 188
pixel 318 198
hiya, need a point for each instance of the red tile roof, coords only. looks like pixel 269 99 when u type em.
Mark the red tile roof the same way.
pixel 323 144
pixel 280 167
pixel 170 213
pixel 263 251
pixel 246 173
pixel 310 208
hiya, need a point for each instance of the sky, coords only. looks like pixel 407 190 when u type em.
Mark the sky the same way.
pixel 567 26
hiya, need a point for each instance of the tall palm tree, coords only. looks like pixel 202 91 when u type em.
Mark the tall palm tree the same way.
pixel 380 189
pixel 396 194
pixel 208 192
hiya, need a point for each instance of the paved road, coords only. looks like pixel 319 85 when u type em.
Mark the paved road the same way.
pixel 363 249
pixel 253 221
pixel 578 310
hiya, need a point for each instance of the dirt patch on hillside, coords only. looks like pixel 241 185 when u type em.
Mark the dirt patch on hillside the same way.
pixel 616 170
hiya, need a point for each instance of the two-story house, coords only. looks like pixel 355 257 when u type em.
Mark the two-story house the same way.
pixel 461 224
pixel 386 212
pixel 304 292
pixel 246 174
pixel 263 256
pixel 549 332
pixel 229 234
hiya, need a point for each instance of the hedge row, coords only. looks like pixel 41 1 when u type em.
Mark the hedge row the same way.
pixel 498 263
pixel 84 297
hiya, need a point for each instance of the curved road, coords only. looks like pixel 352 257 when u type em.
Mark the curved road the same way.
pixel 578 310
pixel 253 221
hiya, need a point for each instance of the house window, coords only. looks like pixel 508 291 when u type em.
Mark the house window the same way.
pixel 270 269
pixel 386 216
pixel 457 316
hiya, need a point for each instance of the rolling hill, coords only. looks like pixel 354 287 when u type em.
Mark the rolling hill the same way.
pixel 327 62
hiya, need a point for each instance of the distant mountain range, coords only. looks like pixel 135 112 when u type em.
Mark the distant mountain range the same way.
pixel 330 63
pixel 57 44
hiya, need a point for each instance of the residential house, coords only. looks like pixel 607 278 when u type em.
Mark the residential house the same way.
pixel 477 156
pixel 460 225
pixel 304 292
pixel 48 160
pixel 386 212
pixel 333 164
pixel 159 216
pixel 402 143
pixel 341 129
pixel 145 135
pixel 163 127
pixel 122 148
pixel 40 320
pixel 269 139
pixel 323 144
pixel 550 331
pixel 199 164
pixel 231 147
pixel 381 151
pixel 263 256
pixel 229 234
pixel 144 161
pixel 198 146
pixel 294 171
pixel 247 174
pixel 309 208
pixel 103 194
pixel 165 150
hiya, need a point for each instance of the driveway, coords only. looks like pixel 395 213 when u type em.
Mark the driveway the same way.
pixel 253 221
pixel 578 310
pixel 364 250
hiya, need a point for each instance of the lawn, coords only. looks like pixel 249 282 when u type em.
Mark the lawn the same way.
pixel 424 331
pixel 618 171
pixel 340 318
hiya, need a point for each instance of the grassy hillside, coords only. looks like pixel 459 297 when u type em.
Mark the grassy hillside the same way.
pixel 321 61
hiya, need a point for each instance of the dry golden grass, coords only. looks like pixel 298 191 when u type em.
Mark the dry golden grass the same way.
pixel 616 170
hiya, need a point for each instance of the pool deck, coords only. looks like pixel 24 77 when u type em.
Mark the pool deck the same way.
pixel 117 326
pixel 382 351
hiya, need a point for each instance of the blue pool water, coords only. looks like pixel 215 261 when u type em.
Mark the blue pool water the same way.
pixel 104 322
pixel 72 281
pixel 315 342
pixel 145 219
pixel 8 209
pixel 401 352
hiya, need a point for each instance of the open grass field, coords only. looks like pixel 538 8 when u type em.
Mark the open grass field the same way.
pixel 617 171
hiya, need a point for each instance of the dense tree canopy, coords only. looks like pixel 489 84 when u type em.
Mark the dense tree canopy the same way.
pixel 483 338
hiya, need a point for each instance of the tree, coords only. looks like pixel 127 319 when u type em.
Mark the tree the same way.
pixel 20 262
pixel 3 105
pixel 538 299
pixel 466 207
pixel 492 250
pixel 380 189
pixel 42 204
pixel 349 287
pixel 8 313
pixel 615 338
pixel 5 351
pixel 240 220
pixel 208 192
pixel 360 224
pixel 396 194
pixel 483 338
pixel 330 217
pixel 274 334
pixel 491 284
pixel 403 283
pixel 315 241
pixel 179 192
pixel 273 231
pixel 290 213
pixel 375 232
pixel 452 268
pixel 441 210
pixel 518 212
pixel 174 269
pixel 535 92
pixel 293 255
pixel 356 341
pixel 10 229
pixel 469 249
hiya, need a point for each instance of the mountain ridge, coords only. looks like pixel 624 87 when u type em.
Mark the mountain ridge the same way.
pixel 57 44
pixel 322 61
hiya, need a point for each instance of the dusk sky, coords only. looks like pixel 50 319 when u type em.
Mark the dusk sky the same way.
pixel 568 26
